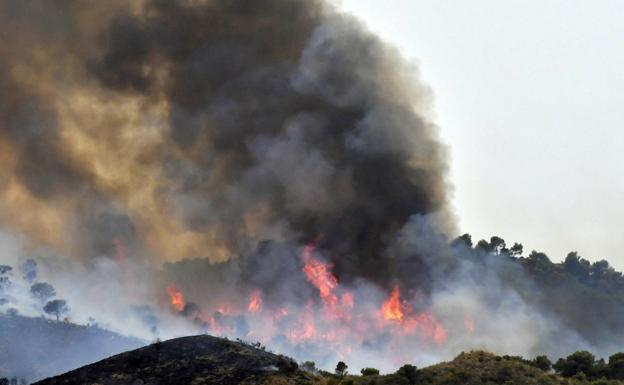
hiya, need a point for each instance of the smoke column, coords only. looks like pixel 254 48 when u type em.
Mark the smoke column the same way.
pixel 199 128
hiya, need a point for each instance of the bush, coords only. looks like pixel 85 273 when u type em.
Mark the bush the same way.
pixel 370 372
pixel 286 365
pixel 542 362
pixel 341 368
pixel 309 366
pixel 581 361
pixel 410 372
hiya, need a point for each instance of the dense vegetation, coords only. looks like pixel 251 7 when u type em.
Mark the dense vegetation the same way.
pixel 477 368
pixel 583 296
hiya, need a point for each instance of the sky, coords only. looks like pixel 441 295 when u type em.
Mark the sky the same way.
pixel 529 96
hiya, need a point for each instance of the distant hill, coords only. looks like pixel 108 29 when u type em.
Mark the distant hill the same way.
pixel 36 348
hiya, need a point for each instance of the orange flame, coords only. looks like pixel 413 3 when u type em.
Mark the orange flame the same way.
pixel 319 276
pixel 176 297
pixel 255 302
pixel 392 308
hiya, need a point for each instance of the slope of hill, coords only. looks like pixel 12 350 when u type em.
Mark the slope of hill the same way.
pixel 203 360
pixel 193 360
pixel 35 348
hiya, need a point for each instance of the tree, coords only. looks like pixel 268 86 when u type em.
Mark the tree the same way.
pixel 580 361
pixel 465 240
pixel 308 366
pixel 577 266
pixel 29 270
pixel 341 369
pixel 483 245
pixel 4 280
pixel 56 307
pixel 369 372
pixel 542 362
pixel 516 249
pixel 540 261
pixel 616 366
pixel 42 291
pixel 497 244
pixel 410 372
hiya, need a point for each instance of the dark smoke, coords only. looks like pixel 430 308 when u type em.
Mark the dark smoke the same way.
pixel 282 109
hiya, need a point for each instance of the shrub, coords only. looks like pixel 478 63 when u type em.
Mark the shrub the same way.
pixel 410 372
pixel 370 372
pixel 341 368
pixel 542 362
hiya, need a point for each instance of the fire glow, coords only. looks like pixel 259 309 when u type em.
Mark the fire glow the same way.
pixel 255 302
pixel 335 316
pixel 176 298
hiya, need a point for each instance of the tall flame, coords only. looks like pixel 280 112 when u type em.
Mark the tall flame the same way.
pixel 255 302
pixel 392 308
pixel 319 276
pixel 176 297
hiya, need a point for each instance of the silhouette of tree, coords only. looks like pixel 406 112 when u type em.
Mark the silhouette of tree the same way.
pixel 410 372
pixel 581 361
pixel 42 291
pixel 341 369
pixel 56 307
pixel 29 270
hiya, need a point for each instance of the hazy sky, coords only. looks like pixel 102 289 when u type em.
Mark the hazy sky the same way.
pixel 530 98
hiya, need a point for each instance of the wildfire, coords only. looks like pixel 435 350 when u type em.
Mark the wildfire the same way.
pixel 336 319
pixel 392 308
pixel 255 302
pixel 176 298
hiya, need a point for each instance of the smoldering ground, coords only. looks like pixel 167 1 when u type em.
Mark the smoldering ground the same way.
pixel 229 136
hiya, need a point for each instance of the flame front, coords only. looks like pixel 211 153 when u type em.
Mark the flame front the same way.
pixel 333 316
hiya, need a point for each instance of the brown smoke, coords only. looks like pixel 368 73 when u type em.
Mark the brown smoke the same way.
pixel 200 128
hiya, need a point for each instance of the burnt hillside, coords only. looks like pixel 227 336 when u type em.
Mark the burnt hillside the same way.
pixel 190 360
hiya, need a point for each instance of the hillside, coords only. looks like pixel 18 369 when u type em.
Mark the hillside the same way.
pixel 35 348
pixel 203 360
pixel 193 360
